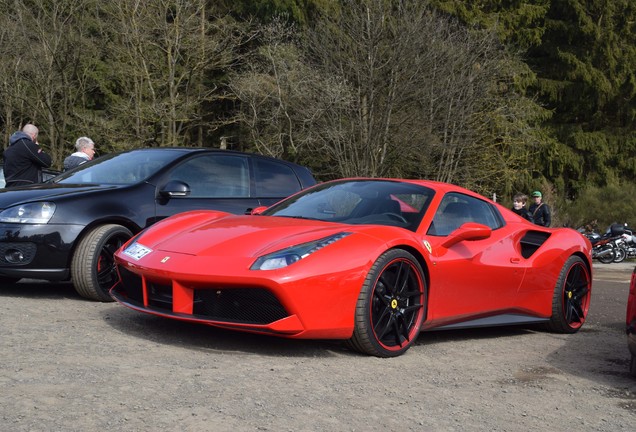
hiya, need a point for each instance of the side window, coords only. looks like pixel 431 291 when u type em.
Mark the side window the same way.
pixel 215 176
pixel 457 209
pixel 274 179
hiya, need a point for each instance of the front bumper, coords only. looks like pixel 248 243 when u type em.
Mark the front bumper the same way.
pixel 37 251
pixel 222 292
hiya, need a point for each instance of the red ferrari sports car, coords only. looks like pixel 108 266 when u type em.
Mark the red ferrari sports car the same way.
pixel 631 323
pixel 371 261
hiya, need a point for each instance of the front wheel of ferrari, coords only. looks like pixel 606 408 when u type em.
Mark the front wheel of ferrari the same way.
pixel 93 265
pixel 571 299
pixel 391 306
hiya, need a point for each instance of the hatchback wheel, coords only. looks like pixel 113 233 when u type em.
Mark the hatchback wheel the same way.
pixel 93 265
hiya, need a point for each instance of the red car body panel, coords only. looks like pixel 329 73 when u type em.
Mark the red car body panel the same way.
pixel 475 282
pixel 631 322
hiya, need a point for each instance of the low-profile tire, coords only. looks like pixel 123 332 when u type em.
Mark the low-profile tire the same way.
pixel 391 306
pixel 619 254
pixel 571 298
pixel 6 280
pixel 93 266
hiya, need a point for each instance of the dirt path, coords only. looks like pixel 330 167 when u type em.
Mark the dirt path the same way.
pixel 72 365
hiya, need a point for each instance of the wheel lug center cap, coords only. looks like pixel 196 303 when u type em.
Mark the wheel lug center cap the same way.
pixel 569 294
pixel 394 303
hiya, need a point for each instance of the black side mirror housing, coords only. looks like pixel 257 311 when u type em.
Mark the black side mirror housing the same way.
pixel 175 188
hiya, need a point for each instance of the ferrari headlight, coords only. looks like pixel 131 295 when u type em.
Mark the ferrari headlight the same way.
pixel 34 213
pixel 288 256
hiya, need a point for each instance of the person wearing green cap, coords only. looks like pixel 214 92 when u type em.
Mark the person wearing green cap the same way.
pixel 540 210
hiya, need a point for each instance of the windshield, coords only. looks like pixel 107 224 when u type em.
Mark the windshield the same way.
pixel 379 202
pixel 119 168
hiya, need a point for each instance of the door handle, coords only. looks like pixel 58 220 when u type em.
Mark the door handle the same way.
pixel 515 260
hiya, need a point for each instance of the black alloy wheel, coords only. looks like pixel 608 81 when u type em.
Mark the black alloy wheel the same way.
pixel 571 299
pixel 391 306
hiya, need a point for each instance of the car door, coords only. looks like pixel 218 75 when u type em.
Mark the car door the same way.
pixel 273 180
pixel 216 181
pixel 471 277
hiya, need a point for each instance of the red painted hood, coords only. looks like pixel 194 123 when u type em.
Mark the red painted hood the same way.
pixel 221 234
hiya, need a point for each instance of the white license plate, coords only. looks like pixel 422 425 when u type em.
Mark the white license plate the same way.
pixel 137 251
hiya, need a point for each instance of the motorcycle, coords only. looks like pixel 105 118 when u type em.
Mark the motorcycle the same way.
pixel 626 246
pixel 604 247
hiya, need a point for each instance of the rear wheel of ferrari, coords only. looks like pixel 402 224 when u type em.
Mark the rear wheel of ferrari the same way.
pixel 571 299
pixel 391 306
pixel 93 266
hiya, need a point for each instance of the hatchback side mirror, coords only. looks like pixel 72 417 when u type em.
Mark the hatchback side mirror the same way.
pixel 175 188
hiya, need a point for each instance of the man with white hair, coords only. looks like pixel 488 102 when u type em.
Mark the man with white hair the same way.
pixel 85 151
pixel 24 159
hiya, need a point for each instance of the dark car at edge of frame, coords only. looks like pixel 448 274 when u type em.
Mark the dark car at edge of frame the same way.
pixel 70 227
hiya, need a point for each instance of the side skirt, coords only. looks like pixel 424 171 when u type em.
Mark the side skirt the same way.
pixel 493 321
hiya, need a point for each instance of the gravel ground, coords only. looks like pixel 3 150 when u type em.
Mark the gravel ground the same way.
pixel 73 365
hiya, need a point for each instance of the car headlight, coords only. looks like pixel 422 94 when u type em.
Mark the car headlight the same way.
pixel 34 213
pixel 288 256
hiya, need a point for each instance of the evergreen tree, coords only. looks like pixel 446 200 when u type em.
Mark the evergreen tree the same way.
pixel 515 131
pixel 582 56
pixel 586 74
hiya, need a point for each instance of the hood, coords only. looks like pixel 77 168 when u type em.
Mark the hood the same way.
pixel 46 192
pixel 17 136
pixel 241 236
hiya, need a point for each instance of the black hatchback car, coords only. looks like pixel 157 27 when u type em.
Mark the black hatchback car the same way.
pixel 70 227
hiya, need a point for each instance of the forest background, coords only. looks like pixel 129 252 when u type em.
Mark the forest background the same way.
pixel 498 96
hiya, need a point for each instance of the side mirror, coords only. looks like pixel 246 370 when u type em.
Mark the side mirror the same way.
pixel 175 188
pixel 258 210
pixel 469 231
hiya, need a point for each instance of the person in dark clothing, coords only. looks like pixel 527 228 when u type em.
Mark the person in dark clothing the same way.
pixel 85 151
pixel 24 159
pixel 519 206
pixel 540 211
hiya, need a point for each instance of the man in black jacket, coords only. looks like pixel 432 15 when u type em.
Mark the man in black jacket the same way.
pixel 24 159
pixel 540 211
